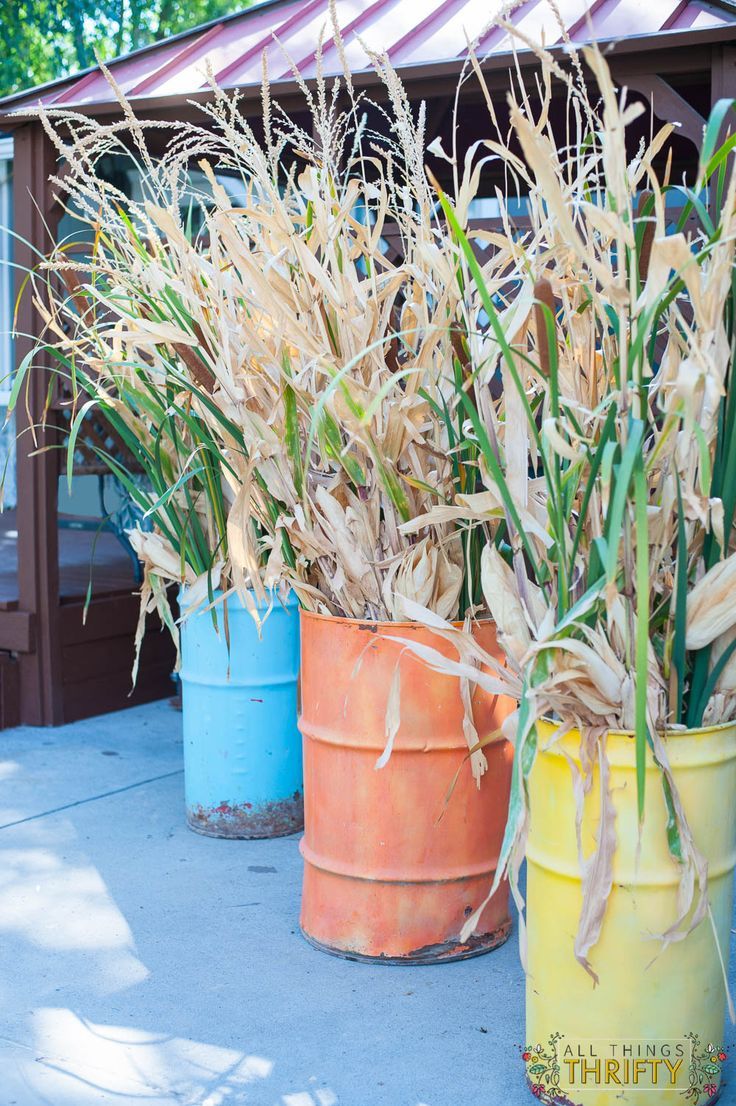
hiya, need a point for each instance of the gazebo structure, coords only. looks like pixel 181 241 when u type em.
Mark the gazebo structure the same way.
pixel 678 54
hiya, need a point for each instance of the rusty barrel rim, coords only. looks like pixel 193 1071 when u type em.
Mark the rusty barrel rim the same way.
pixel 477 946
pixel 280 818
pixel 241 836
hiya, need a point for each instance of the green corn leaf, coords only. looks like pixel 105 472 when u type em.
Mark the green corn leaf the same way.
pixel 20 374
pixel 678 649
pixel 615 519
pixel 525 751
pixel 595 464
pixel 710 137
pixel 490 310
pixel 674 841
pixel 710 685
pixel 330 444
pixel 171 491
pixel 499 479
pixel 642 631
pixel 291 418
pixel 73 435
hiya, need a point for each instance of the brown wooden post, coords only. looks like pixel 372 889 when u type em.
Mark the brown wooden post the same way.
pixel 723 74
pixel 722 87
pixel 41 701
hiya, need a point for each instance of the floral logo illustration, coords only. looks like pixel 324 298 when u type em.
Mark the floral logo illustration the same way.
pixel 543 1072
pixel 705 1069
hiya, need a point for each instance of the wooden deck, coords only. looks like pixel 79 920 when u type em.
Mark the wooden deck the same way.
pixel 96 647
pixel 82 554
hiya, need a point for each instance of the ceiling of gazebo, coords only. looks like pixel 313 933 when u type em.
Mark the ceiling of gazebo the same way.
pixel 416 33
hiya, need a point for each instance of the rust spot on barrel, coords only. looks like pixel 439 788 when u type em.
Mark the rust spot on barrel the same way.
pixel 246 820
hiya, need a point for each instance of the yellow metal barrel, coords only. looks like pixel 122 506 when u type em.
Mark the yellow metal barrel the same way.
pixel 650 1005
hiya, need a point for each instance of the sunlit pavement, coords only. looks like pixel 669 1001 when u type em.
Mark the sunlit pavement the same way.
pixel 141 963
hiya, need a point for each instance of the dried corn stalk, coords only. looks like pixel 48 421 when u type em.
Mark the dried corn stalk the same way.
pixel 611 455
pixel 303 379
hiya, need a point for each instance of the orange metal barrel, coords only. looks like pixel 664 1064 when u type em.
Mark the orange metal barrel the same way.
pixel 384 876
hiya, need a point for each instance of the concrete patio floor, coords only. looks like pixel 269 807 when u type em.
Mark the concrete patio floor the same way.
pixel 141 963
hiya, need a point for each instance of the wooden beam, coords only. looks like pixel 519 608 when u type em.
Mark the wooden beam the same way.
pixel 17 632
pixel 98 664
pixel 667 104
pixel 107 616
pixel 36 219
pixel 722 87
pixel 9 692
pixel 723 74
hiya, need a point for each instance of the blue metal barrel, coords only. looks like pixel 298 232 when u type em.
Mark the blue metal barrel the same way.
pixel 242 748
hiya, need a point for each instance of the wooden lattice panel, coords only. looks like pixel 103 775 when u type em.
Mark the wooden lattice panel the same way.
pixel 96 434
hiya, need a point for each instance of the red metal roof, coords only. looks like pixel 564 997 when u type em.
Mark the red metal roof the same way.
pixel 414 32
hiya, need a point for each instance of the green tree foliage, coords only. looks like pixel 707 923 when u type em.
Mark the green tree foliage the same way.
pixel 45 39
